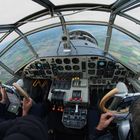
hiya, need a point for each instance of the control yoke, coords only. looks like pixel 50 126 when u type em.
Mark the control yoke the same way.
pixel 120 91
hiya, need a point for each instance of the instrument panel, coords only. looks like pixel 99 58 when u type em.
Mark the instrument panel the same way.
pixel 97 69
pixel 77 81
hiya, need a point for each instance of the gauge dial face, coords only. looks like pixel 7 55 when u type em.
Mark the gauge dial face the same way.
pixel 60 68
pixel 75 60
pixel 76 67
pixel 58 61
pixel 91 65
pixel 38 65
pixel 111 65
pixel 101 64
pixel 117 72
pixel 66 61
pixel 48 72
pixel 67 67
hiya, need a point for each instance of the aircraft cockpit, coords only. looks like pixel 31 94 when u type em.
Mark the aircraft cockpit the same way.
pixel 74 57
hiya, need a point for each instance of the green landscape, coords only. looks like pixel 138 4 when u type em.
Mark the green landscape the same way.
pixel 121 46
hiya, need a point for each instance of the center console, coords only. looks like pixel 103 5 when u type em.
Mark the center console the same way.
pixel 71 97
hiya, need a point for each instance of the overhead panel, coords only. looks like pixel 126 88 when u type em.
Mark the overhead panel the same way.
pixel 60 2
pixel 14 10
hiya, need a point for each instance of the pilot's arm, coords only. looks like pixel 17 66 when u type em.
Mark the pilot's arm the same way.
pixel 27 104
pixel 104 122
pixel 24 126
pixel 3 99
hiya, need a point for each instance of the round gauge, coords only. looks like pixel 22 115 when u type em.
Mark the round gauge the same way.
pixel 66 60
pixel 117 72
pixel 101 63
pixel 67 67
pixel 32 66
pixel 91 72
pixel 60 68
pixel 48 72
pixel 76 67
pixel 46 65
pixel 75 60
pixel 58 61
pixel 39 65
pixel 26 72
pixel 91 65
pixel 111 65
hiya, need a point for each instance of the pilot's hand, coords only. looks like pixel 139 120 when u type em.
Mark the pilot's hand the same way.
pixel 3 95
pixel 105 120
pixel 27 104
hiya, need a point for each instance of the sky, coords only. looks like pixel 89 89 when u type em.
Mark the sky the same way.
pixel 14 10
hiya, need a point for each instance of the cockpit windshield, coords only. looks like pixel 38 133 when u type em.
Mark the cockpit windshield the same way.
pixel 75 59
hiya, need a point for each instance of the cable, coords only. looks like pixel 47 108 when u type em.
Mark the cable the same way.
pixel 74 47
pixel 58 48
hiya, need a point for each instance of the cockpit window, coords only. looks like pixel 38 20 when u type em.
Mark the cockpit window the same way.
pixel 125 49
pixel 134 13
pixel 12 10
pixel 1 34
pixel 60 2
pixel 4 75
pixel 46 42
pixel 82 15
pixel 39 22
pixel 12 36
pixel 97 31
pixel 17 56
pixel 128 25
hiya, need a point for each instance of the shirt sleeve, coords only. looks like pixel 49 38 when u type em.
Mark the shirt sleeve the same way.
pixel 4 126
pixel 97 134
pixel 2 109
